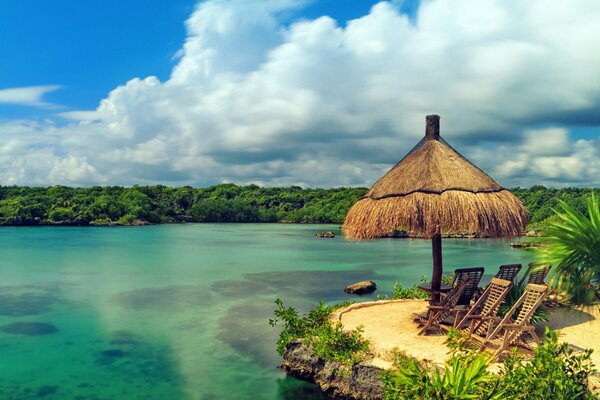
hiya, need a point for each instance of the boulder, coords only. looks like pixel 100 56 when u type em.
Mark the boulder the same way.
pixel 327 234
pixel 361 381
pixel 533 233
pixel 363 287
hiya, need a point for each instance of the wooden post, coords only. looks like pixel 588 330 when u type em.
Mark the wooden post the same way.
pixel 436 278
pixel 432 127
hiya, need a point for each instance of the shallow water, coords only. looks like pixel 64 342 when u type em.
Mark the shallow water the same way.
pixel 181 311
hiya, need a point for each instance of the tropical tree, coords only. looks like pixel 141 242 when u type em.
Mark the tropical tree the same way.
pixel 575 250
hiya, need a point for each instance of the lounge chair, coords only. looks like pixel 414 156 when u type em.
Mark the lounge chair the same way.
pixel 536 273
pixel 474 275
pixel 510 330
pixel 478 319
pixel 508 272
pixel 438 313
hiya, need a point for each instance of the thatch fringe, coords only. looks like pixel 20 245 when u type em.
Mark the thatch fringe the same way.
pixel 495 214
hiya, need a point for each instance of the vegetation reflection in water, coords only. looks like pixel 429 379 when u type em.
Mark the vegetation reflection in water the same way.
pixel 181 311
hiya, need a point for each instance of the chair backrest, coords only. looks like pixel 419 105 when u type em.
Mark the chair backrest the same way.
pixel 474 275
pixel 508 272
pixel 488 304
pixel 532 298
pixel 526 306
pixel 448 302
pixel 451 300
pixel 538 275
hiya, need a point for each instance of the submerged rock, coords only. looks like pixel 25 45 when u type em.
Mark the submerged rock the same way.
pixel 361 381
pixel 123 337
pixel 46 390
pixel 363 287
pixel 113 353
pixel 29 328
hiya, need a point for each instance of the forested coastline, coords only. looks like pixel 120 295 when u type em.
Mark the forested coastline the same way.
pixel 115 205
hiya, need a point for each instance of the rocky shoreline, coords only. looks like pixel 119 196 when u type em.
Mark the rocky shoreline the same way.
pixel 362 381
pixel 178 219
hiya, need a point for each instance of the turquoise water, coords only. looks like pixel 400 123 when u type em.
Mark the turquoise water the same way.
pixel 180 311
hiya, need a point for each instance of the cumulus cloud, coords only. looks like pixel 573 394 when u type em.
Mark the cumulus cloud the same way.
pixel 550 157
pixel 256 99
pixel 27 96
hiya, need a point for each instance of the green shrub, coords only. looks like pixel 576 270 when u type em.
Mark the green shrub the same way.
pixel 555 372
pixel 414 291
pixel 574 247
pixel 127 219
pixel 330 342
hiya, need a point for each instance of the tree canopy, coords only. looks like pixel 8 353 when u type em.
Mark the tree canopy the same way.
pixel 21 205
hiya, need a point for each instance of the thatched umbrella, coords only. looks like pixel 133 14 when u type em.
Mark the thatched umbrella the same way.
pixel 433 190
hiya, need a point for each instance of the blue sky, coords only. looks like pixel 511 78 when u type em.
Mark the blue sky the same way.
pixel 90 47
pixel 308 92
pixel 86 47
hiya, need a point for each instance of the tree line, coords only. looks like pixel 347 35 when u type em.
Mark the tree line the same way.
pixel 61 205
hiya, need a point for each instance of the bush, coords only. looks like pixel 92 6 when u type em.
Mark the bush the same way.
pixel 330 342
pixel 464 376
pixel 127 219
pixel 574 247
pixel 414 291
pixel 555 372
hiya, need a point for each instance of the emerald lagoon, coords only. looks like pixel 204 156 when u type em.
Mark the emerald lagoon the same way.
pixel 181 311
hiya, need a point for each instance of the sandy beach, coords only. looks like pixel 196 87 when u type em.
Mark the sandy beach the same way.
pixel 389 327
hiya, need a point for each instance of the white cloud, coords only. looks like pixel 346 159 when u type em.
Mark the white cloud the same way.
pixel 254 99
pixel 550 157
pixel 549 142
pixel 27 96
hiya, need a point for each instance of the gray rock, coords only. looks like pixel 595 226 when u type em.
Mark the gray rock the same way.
pixel 361 381
pixel 363 287
pixel 328 234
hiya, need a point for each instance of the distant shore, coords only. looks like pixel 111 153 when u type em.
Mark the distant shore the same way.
pixel 143 205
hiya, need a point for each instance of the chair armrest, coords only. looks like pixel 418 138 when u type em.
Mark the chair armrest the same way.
pixel 514 326
pixel 438 308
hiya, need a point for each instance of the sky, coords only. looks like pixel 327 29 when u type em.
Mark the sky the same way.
pixel 316 93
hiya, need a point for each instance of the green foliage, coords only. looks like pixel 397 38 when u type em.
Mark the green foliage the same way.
pixel 574 247
pixel 401 292
pixel 221 203
pixel 554 372
pixel 540 202
pixel 414 291
pixel 464 376
pixel 329 341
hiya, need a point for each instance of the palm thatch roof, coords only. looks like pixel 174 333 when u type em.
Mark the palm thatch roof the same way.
pixel 434 190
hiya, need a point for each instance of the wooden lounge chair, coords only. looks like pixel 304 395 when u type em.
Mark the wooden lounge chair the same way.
pixel 510 330
pixel 478 320
pixel 474 275
pixel 508 272
pixel 437 313
pixel 536 273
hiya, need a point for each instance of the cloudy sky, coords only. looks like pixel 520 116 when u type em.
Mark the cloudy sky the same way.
pixel 307 92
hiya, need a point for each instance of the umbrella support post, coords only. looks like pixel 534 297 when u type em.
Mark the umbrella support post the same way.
pixel 436 278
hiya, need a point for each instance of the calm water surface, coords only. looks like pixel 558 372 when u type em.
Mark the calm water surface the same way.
pixel 181 311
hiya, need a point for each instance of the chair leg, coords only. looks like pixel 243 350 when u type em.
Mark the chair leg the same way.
pixel 429 323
